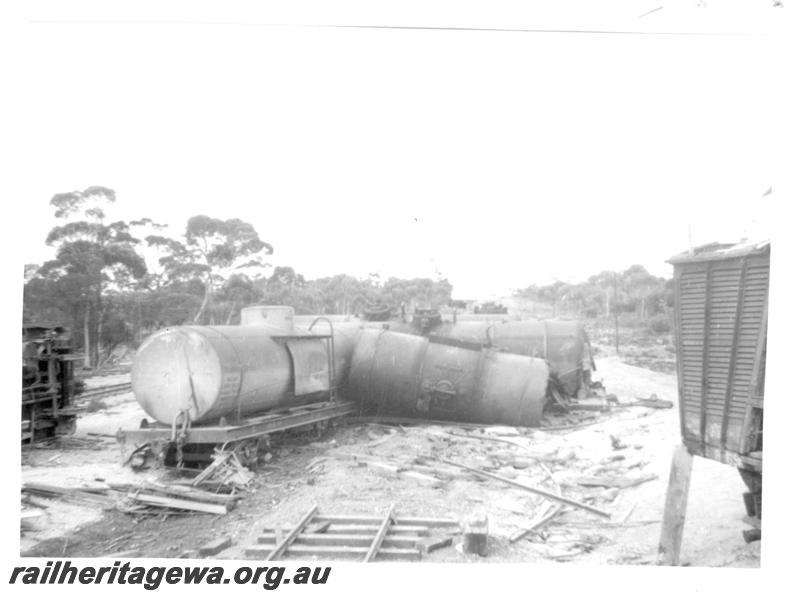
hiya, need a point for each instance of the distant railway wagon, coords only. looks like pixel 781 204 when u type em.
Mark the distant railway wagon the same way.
pixel 721 316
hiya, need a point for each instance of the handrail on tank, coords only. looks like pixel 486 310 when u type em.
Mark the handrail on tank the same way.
pixel 331 358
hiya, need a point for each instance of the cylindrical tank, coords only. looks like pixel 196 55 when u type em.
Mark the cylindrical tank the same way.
pixel 279 317
pixel 563 344
pixel 212 372
pixel 409 375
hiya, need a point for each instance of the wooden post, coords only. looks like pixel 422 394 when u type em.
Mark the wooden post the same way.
pixel 670 540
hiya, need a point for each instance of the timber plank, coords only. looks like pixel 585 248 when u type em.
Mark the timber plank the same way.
pixel 332 539
pixel 340 552
pixel 675 507
pixel 361 520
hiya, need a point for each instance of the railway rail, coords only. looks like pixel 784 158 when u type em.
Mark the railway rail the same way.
pixel 104 391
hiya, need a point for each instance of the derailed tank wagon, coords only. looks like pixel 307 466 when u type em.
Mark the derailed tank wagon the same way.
pixel 397 374
pixel 721 316
pixel 562 344
pixel 232 386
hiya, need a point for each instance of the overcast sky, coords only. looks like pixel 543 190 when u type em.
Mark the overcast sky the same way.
pixel 495 159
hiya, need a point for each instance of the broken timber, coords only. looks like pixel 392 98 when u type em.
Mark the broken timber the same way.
pixel 528 488
pixel 620 482
pixel 170 502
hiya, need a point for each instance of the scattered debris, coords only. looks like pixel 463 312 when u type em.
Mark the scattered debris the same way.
pixel 616 443
pixel 226 469
pixel 549 513
pixel 591 404
pixel 485 438
pixel 213 548
pixel 28 515
pixel 132 497
pixel 619 482
pixel 502 430
pixel 544 493
pixel 430 544
pixel 80 495
pixel 407 471
pixel 172 502
pixel 652 402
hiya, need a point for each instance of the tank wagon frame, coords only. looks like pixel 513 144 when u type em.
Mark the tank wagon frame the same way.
pixel 160 442
pixel 247 435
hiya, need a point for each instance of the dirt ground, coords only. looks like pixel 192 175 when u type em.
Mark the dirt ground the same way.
pixel 630 442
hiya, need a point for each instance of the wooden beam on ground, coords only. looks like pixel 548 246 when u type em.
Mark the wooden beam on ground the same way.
pixel 369 530
pixel 339 539
pixel 670 540
pixel 619 482
pixel 281 547
pixel 548 515
pixel 43 489
pixel 528 488
pixel 427 545
pixel 336 552
pixel 381 533
pixel 169 502
pixel 336 520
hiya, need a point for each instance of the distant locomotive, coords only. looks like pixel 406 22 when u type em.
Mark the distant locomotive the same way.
pixel 48 383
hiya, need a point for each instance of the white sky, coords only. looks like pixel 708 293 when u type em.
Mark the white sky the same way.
pixel 497 159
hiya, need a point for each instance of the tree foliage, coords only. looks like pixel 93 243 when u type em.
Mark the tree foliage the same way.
pixel 633 291
pixel 91 257
pixel 209 250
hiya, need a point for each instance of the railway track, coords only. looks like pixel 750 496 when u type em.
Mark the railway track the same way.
pixel 104 391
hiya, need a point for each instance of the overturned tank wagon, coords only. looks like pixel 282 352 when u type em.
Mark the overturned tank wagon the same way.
pixel 413 376
pixel 563 344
